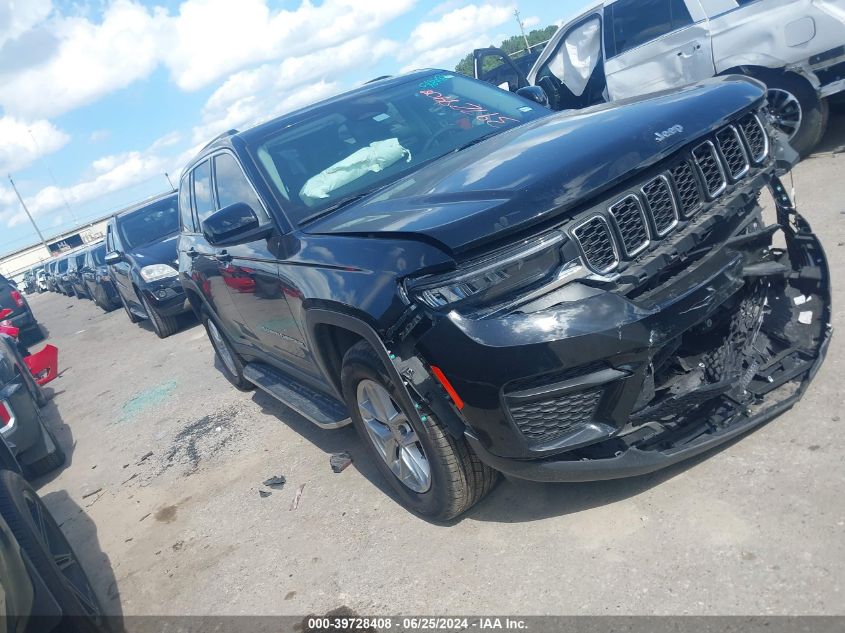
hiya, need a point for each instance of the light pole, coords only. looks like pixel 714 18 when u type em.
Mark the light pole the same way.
pixel 28 214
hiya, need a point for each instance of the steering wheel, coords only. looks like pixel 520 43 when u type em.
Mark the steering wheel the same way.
pixel 435 138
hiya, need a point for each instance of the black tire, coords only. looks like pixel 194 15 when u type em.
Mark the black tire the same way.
pixel 234 370
pixel 459 479
pixel 129 313
pixel 164 326
pixel 45 545
pixel 49 462
pixel 814 110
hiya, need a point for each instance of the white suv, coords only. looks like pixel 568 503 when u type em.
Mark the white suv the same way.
pixel 616 49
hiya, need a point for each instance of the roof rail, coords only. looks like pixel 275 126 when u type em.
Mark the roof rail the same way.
pixel 379 78
pixel 219 136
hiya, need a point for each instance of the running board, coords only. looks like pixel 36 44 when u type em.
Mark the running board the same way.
pixel 323 410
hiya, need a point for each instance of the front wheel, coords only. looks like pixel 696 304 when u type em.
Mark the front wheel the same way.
pixel 433 473
pixel 796 110
pixel 129 313
pixel 164 326
pixel 52 557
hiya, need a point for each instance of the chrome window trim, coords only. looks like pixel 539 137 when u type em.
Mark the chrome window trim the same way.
pixel 765 154
pixel 574 232
pixel 712 149
pixel 732 129
pixel 644 218
pixel 675 209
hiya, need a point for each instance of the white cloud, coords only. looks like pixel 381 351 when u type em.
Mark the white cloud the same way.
pixel 259 94
pixel 531 20
pixel 18 148
pixel 105 175
pixel 90 60
pixel 205 41
pixel 444 41
pixel 16 18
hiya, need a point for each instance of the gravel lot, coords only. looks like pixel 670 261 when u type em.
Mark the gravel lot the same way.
pixel 178 526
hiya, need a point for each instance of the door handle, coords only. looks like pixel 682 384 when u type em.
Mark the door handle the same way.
pixel 192 252
pixel 224 256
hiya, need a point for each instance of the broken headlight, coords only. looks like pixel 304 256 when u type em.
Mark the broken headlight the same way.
pixel 493 278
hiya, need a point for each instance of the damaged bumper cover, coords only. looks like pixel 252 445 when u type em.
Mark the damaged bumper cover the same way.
pixel 616 385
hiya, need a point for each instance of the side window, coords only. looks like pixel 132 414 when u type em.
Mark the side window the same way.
pixel 185 216
pixel 203 200
pixel 632 23
pixel 232 185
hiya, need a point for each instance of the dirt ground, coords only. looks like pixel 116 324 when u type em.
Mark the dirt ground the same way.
pixel 176 457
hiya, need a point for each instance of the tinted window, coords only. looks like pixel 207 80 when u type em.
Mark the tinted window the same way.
pixel 80 260
pixel 352 145
pixel 149 223
pixel 98 255
pixel 185 214
pixel 61 267
pixel 635 22
pixel 232 185
pixel 203 200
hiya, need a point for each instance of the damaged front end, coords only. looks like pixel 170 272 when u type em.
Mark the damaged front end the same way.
pixel 715 332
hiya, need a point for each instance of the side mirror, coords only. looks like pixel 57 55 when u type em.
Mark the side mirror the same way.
pixel 234 224
pixel 535 94
pixel 115 257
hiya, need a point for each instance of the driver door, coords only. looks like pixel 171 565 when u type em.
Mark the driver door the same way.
pixel 653 45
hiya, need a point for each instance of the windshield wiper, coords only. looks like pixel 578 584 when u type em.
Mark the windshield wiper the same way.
pixel 475 141
pixel 334 207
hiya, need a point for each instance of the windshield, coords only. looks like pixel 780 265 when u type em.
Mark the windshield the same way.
pixel 99 255
pixel 356 144
pixel 149 223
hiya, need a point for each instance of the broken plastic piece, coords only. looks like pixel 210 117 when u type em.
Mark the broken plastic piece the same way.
pixel 339 461
pixel 264 493
pixel 44 365
pixel 275 481
pixel 297 497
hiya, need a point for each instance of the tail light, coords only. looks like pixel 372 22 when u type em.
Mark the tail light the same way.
pixel 16 296
pixel 5 414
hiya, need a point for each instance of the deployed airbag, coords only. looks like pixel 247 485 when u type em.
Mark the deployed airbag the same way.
pixel 373 158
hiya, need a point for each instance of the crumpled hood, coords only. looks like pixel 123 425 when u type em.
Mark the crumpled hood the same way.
pixel 161 252
pixel 541 169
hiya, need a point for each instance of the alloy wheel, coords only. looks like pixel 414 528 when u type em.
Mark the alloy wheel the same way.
pixel 394 438
pixel 785 111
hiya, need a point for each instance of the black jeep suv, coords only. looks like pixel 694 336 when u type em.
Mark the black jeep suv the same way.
pixel 484 286
pixel 141 258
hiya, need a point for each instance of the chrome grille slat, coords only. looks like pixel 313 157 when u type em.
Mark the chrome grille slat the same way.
pixel 661 204
pixel 733 152
pixel 632 224
pixel 597 244
pixel 685 183
pixel 756 139
pixel 710 168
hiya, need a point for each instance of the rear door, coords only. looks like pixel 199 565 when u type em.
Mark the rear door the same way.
pixel 653 45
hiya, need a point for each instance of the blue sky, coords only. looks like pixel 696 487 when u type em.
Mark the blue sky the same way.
pixel 99 99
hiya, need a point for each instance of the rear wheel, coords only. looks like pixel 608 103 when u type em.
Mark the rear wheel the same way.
pixel 233 365
pixel 51 555
pixel 432 473
pixel 54 458
pixel 164 326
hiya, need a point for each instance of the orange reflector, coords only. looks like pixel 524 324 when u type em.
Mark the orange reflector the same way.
pixel 447 386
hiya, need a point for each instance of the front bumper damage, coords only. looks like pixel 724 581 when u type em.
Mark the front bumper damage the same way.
pixel 614 386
